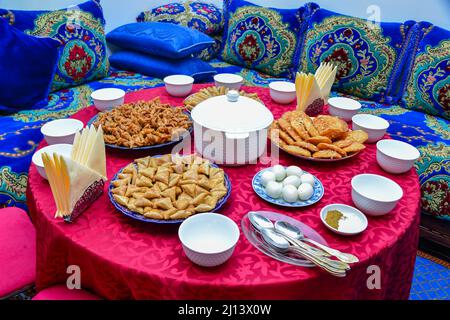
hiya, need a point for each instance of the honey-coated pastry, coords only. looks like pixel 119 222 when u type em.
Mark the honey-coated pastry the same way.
pixel 142 123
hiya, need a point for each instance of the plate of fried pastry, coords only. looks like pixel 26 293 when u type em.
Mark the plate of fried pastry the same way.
pixel 143 125
pixel 169 188
pixel 194 99
pixel 323 138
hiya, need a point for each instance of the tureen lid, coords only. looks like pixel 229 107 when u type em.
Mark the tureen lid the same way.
pixel 232 113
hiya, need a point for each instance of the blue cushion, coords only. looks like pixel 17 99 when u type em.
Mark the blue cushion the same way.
pixel 80 29
pixel 204 17
pixel 428 87
pixel 370 57
pixel 160 67
pixel 260 38
pixel 160 39
pixel 27 66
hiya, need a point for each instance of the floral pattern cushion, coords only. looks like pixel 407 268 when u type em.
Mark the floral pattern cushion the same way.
pixel 81 31
pixel 428 88
pixel 212 51
pixel 204 17
pixel 369 56
pixel 260 38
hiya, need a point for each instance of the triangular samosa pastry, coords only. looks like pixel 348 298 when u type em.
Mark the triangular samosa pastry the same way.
pixel 78 181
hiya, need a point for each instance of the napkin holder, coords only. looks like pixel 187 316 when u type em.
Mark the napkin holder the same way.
pixel 313 90
pixel 78 181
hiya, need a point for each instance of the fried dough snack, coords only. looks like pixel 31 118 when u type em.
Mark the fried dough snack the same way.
pixel 322 137
pixel 169 187
pixel 209 92
pixel 142 123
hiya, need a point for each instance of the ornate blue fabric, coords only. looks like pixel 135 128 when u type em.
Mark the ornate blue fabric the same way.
pixel 428 87
pixel 261 38
pixel 158 67
pixel 19 135
pixel 160 39
pixel 204 17
pixel 370 57
pixel 27 66
pixel 212 51
pixel 81 31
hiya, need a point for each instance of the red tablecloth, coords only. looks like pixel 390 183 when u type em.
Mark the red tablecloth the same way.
pixel 120 258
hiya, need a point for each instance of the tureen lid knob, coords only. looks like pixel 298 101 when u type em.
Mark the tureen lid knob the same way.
pixel 233 96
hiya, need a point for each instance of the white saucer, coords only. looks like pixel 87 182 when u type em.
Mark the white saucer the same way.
pixel 355 222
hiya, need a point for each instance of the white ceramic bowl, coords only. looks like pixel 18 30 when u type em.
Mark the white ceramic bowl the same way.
pixel 396 156
pixel 61 131
pixel 374 126
pixel 108 98
pixel 61 149
pixel 354 221
pixel 375 195
pixel 228 80
pixel 208 239
pixel 282 92
pixel 344 108
pixel 179 85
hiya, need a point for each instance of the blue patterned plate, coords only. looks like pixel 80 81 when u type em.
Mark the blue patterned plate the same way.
pixel 155 146
pixel 259 189
pixel 138 216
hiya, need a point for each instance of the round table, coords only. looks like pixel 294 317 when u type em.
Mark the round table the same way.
pixel 120 258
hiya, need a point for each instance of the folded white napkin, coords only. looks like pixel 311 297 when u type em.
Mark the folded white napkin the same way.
pixel 79 180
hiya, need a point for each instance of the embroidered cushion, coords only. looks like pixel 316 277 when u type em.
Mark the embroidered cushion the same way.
pixel 81 31
pixel 160 39
pixel 160 67
pixel 428 88
pixel 27 66
pixel 204 17
pixel 369 56
pixel 212 51
pixel 260 38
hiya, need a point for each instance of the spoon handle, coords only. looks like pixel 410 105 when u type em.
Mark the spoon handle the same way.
pixel 344 257
pixel 338 272
pixel 307 247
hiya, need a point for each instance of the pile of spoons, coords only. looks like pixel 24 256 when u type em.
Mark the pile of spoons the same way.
pixel 283 237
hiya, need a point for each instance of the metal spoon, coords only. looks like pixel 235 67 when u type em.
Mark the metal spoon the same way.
pixel 294 232
pixel 280 244
pixel 260 222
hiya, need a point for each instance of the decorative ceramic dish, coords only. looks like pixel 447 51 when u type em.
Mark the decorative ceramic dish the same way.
pixel 140 217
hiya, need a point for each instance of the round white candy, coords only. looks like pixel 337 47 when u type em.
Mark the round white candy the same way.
pixel 266 177
pixel 294 171
pixel 279 171
pixel 290 193
pixel 274 189
pixel 307 178
pixel 292 180
pixel 305 191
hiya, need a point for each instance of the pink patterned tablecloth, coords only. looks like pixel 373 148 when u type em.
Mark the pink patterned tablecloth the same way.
pixel 124 259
